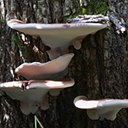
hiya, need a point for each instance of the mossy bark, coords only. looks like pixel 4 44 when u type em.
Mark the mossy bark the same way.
pixel 99 68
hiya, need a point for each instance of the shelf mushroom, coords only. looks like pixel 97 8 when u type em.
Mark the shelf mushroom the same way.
pixel 101 109
pixel 33 94
pixel 57 36
pixel 53 69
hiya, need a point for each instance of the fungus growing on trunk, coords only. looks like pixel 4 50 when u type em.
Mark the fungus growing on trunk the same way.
pixel 101 109
pixel 57 35
pixel 50 70
pixel 33 94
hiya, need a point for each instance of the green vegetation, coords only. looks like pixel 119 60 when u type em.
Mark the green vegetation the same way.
pixel 94 7
pixel 15 38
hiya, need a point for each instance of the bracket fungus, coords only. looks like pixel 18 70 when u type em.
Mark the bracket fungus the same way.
pixel 57 35
pixel 33 94
pixel 101 109
pixel 53 69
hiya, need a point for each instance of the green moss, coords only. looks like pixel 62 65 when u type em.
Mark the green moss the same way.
pixel 16 40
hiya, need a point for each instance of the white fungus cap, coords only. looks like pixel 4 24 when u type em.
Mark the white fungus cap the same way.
pixel 101 109
pixel 48 70
pixel 57 34
pixel 33 94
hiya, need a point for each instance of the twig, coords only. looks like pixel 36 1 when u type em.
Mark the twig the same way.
pixel 37 121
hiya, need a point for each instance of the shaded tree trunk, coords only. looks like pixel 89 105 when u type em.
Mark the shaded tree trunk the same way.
pixel 99 68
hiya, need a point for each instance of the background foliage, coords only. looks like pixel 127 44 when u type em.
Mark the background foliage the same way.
pixel 93 7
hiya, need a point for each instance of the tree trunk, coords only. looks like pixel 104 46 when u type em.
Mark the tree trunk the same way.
pixel 99 68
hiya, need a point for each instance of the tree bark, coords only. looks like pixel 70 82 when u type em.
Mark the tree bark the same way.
pixel 99 68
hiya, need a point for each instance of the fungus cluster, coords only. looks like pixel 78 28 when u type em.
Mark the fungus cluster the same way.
pixel 42 78
pixel 47 77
